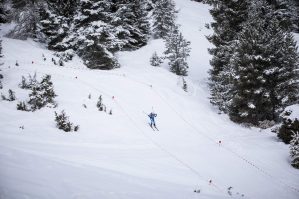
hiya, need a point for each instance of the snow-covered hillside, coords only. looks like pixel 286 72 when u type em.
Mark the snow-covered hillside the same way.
pixel 119 156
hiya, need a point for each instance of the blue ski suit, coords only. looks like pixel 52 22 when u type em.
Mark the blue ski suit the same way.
pixel 152 118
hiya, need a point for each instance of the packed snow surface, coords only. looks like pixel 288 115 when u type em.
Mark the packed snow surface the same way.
pixel 119 156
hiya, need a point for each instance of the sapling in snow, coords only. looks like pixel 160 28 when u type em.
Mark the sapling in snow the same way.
pixel 22 106
pixel 11 96
pixel 155 60
pixel 100 104
pixel 63 123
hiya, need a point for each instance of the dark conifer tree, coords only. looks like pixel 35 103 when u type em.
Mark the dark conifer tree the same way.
pixel 42 94
pixel 177 52
pixel 130 17
pixel 26 16
pixel 286 11
pixel 56 18
pixel 265 62
pixel 164 16
pixel 92 36
pixel 229 16
pixel 3 12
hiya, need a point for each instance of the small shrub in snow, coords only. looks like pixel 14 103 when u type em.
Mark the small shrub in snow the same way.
pixel 11 96
pixel 207 26
pixel 110 112
pixel 294 150
pixel 22 106
pixel 61 63
pixel 100 104
pixel 84 105
pixel 54 61
pixel 185 86
pixel 89 96
pixel 30 83
pixel 63 123
pixel 42 94
pixel 76 128
pixel 287 129
pixel 155 60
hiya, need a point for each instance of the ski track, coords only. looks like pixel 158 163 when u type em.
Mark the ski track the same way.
pixel 120 156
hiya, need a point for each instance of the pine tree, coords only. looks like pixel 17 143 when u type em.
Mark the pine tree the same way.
pixel 286 12
pixel 229 15
pixel 26 17
pixel 3 12
pixel 164 16
pixel 92 36
pixel 100 104
pixel 130 18
pixel 294 150
pixel 42 94
pixel 56 18
pixel 36 99
pixel 265 63
pixel 177 51
pixel 155 60
pixel 46 86
pixel 63 123
pixel 22 106
pixel 11 95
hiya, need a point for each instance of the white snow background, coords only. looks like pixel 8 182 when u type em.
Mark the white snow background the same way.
pixel 119 156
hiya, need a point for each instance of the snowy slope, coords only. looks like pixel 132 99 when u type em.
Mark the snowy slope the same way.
pixel 119 155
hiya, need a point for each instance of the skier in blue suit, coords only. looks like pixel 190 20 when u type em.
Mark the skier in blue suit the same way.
pixel 152 118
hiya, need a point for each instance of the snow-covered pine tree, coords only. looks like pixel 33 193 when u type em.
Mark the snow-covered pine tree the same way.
pixel 228 16
pixel 63 123
pixel 26 16
pixel 294 150
pixel 22 106
pixel 42 94
pixel 155 60
pixel 266 64
pixel 56 18
pixel 92 37
pixel 130 19
pixel 164 16
pixel 46 85
pixel 11 95
pixel 177 52
pixel 35 99
pixel 3 12
pixel 100 104
pixel 286 12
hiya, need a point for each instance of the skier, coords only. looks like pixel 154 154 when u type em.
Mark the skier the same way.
pixel 152 118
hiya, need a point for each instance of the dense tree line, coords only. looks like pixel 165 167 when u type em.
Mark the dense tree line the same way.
pixel 255 62
pixel 94 29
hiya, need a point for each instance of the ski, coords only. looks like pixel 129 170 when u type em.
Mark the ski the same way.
pixel 151 127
